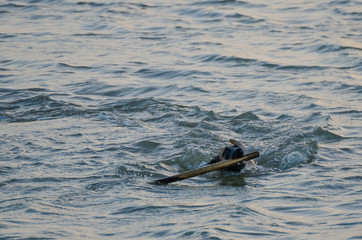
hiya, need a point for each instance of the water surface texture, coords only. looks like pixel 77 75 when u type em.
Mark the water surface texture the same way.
pixel 99 98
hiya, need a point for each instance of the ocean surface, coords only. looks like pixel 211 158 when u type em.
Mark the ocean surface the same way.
pixel 100 98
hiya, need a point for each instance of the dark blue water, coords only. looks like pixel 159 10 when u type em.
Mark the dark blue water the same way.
pixel 99 98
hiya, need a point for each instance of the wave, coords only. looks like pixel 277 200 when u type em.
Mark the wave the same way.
pixel 240 61
pixel 65 65
pixel 224 59
pixel 28 105
pixel 16 5
pixel 169 73
pixel 326 135
pixel 200 12
pixel 245 19
pixel 229 3
pixel 208 13
pixel 326 48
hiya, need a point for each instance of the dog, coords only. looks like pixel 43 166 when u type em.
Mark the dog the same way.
pixel 235 150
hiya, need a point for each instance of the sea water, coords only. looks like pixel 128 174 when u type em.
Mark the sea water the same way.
pixel 100 98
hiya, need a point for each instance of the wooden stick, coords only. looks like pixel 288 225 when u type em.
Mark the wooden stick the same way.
pixel 206 169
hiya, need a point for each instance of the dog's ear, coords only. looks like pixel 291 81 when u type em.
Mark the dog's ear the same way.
pixel 237 143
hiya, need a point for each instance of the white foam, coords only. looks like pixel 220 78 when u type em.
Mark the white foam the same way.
pixel 293 159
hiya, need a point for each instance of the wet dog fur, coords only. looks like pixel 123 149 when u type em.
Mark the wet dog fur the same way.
pixel 235 150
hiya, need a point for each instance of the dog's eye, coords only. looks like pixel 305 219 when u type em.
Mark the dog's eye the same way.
pixel 227 153
pixel 226 150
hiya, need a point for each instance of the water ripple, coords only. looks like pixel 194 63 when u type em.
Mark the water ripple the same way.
pixel 99 98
